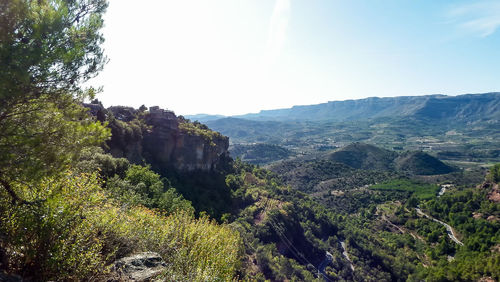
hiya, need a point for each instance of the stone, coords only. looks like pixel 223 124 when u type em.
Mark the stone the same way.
pixel 159 141
pixel 140 267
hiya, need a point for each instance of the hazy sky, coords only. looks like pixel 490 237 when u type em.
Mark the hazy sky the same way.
pixel 240 56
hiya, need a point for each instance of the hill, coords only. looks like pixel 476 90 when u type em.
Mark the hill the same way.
pixel 462 128
pixel 259 153
pixel 354 166
pixel 363 156
pixel 421 163
pixel 367 156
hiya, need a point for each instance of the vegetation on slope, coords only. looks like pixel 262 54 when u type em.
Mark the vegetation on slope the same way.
pixel 75 230
pixel 364 156
pixel 67 210
pixel 259 154
pixel 419 190
pixel 422 164
pixel 199 129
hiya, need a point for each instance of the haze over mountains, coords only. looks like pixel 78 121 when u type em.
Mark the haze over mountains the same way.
pixel 464 127
pixel 464 107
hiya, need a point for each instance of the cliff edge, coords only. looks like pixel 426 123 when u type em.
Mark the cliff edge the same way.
pixel 161 138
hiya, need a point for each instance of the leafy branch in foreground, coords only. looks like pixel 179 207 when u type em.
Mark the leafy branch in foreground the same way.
pixel 47 50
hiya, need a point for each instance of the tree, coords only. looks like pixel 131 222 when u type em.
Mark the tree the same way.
pixel 48 48
pixel 494 174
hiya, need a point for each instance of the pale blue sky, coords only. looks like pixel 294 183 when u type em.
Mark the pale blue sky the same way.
pixel 234 56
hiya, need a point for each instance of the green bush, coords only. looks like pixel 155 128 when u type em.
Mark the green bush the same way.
pixel 53 238
pixel 73 231
pixel 142 186
pixel 494 174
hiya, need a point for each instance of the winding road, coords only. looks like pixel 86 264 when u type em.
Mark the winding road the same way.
pixel 346 255
pixel 323 264
pixel 329 258
pixel 449 229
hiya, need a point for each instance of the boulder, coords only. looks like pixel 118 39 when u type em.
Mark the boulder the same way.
pixel 140 267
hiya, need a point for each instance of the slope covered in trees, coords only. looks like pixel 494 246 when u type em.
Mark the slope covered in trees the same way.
pixel 82 187
pixel 355 166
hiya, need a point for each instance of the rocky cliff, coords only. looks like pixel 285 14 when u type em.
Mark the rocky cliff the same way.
pixel 162 139
pixel 186 146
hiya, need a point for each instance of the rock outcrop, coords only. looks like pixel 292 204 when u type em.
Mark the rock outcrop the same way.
pixel 140 267
pixel 166 142
pixel 162 139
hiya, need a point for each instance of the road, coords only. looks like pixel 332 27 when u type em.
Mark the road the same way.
pixel 449 229
pixel 323 264
pixel 346 255
pixel 329 258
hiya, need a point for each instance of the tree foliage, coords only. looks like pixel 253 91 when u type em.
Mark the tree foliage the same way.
pixel 48 48
pixel 494 174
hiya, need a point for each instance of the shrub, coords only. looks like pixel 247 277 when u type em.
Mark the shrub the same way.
pixel 494 174
pixel 52 237
pixel 143 186
pixel 73 231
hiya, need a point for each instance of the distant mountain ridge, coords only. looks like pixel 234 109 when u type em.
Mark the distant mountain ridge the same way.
pixel 468 106
pixel 204 117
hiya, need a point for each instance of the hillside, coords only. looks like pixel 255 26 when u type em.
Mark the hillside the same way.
pixel 462 129
pixel 370 157
pixel 363 156
pixel 89 193
pixel 354 166
pixel 421 163
pixel 268 228
pixel 260 153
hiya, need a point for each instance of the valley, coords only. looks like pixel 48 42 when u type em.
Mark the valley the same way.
pixel 357 212
pixel 383 178
pixel 369 208
pixel 402 188
pixel 465 134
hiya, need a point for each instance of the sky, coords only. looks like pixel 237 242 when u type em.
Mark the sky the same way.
pixel 241 56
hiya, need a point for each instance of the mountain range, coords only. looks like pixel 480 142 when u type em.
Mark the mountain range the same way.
pixel 464 107
pixel 456 128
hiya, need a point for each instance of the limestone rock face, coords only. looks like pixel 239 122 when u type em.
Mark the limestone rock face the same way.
pixel 155 136
pixel 167 145
pixel 195 153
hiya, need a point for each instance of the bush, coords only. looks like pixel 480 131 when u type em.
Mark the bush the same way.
pixel 73 231
pixel 142 186
pixel 494 174
pixel 53 238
